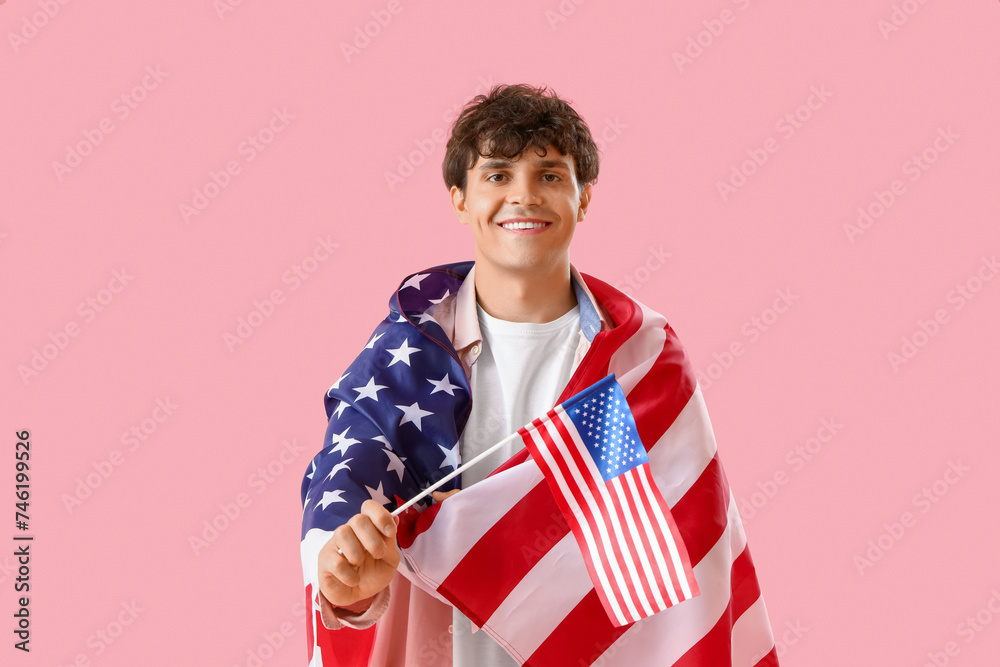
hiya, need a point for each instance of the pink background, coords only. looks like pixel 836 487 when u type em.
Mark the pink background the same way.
pixel 670 133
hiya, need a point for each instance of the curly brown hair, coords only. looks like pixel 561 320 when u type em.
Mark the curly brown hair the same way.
pixel 508 120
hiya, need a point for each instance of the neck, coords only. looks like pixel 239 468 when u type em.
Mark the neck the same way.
pixel 516 296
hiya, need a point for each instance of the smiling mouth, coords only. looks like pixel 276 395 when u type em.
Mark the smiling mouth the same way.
pixel 523 225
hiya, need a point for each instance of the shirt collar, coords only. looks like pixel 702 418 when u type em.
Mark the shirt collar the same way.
pixel 466 318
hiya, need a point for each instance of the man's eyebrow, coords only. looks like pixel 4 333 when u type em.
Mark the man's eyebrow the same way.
pixel 505 164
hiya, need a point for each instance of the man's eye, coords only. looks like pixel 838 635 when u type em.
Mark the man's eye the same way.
pixel 555 177
pixel 491 176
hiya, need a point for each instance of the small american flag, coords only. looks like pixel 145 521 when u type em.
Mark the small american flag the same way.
pixel 589 450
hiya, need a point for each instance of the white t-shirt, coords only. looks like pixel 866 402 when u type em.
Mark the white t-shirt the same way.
pixel 520 373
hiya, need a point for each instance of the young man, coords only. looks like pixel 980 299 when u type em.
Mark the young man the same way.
pixel 469 353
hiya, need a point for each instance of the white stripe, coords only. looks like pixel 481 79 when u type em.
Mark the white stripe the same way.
pixel 313 542
pixel 675 555
pixel 591 470
pixel 633 359
pixel 752 638
pixel 683 451
pixel 657 552
pixel 588 535
pixel 636 535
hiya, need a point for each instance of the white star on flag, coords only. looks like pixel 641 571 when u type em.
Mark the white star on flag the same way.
pixel 342 442
pixel 395 463
pixel 426 317
pixel 330 497
pixel 377 494
pixel 371 343
pixel 337 468
pixel 339 410
pixel 451 457
pixel 370 390
pixel 444 384
pixel 402 353
pixel 447 293
pixel 413 414
pixel 336 385
pixel 414 281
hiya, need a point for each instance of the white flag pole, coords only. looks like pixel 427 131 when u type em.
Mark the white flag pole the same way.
pixel 426 492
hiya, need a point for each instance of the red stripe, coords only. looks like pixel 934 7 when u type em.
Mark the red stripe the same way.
pixel 769 660
pixel 580 639
pixel 635 507
pixel 715 648
pixel 701 514
pixel 602 546
pixel 641 504
pixel 744 584
pixel 662 393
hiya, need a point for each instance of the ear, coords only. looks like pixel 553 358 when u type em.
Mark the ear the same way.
pixel 584 201
pixel 458 203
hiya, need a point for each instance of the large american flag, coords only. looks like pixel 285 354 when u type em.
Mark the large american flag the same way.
pixel 588 449
pixel 502 551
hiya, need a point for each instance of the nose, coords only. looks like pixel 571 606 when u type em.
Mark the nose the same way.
pixel 523 192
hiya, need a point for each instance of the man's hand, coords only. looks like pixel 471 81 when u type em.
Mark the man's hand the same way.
pixel 360 558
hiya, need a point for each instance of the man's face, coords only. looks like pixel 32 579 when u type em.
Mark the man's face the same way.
pixel 523 212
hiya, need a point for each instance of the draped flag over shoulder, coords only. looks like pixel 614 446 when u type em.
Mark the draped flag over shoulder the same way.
pixel 503 551
pixel 597 469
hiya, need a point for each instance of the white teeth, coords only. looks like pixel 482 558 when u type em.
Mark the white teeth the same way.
pixel 522 225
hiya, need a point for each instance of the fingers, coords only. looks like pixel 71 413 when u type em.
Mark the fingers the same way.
pixel 380 518
pixel 441 495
